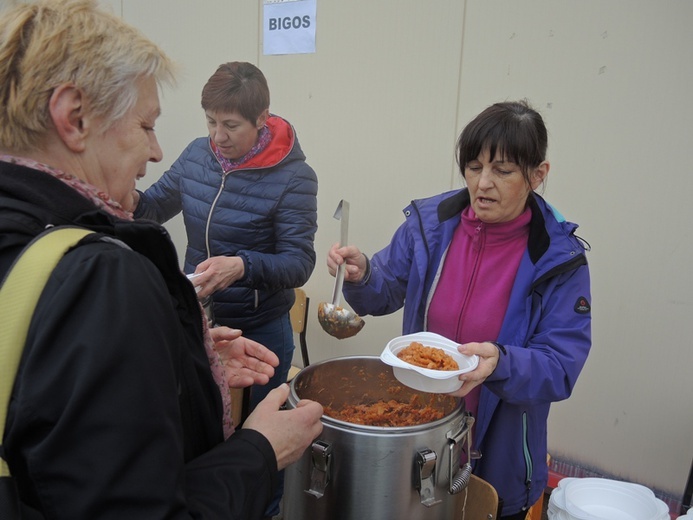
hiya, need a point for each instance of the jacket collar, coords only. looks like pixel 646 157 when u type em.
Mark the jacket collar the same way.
pixel 539 240
pixel 38 201
pixel 279 148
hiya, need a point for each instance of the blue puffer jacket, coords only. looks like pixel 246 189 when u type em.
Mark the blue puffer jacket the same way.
pixel 545 335
pixel 265 212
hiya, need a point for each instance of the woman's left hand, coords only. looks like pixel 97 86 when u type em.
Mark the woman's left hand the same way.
pixel 488 359
pixel 246 362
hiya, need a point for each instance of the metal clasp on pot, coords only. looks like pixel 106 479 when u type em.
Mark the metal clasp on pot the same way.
pixel 320 474
pixel 426 460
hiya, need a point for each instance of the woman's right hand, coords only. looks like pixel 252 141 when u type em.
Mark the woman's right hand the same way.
pixel 247 362
pixel 488 354
pixel 356 263
pixel 290 432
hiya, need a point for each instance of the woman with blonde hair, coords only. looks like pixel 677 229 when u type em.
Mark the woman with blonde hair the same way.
pixel 116 411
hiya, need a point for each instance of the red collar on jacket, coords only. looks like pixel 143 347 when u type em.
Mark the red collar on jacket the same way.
pixel 276 151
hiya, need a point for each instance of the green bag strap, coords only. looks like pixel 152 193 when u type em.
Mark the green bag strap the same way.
pixel 19 295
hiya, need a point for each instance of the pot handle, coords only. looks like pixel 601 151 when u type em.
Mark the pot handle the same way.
pixel 459 477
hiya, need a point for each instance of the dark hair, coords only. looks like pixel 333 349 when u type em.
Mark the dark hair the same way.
pixel 512 130
pixel 237 87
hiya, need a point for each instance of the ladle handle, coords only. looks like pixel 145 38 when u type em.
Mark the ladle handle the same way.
pixel 343 211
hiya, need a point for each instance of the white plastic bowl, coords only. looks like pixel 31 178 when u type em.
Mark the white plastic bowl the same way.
pixel 687 516
pixel 425 379
pixel 604 499
pixel 557 498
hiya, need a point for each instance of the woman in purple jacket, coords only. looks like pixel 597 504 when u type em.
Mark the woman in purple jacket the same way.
pixel 497 269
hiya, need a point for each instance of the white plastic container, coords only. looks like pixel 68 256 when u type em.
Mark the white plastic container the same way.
pixel 192 277
pixel 425 379
pixel 687 516
pixel 604 499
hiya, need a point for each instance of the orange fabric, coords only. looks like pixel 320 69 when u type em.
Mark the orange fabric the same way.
pixel 279 147
pixel 536 510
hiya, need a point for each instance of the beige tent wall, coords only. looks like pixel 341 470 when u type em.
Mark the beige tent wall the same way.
pixel 378 107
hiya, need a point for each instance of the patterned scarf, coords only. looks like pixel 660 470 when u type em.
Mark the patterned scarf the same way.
pixel 99 198
pixel 103 201
pixel 264 137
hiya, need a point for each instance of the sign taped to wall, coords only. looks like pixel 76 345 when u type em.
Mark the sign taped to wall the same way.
pixel 289 26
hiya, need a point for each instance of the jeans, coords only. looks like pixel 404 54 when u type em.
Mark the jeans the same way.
pixel 278 336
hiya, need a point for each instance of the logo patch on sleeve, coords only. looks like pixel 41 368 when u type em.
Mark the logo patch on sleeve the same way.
pixel 582 306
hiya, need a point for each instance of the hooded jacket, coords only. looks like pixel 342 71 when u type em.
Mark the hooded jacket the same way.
pixel 114 411
pixel 544 339
pixel 264 212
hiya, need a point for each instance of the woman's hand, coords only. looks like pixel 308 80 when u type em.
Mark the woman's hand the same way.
pixel 488 360
pixel 217 272
pixel 356 263
pixel 246 362
pixel 290 432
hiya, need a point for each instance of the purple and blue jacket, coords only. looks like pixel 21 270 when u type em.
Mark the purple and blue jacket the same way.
pixel 544 339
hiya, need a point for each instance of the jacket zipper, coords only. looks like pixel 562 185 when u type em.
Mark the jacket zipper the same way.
pixel 479 243
pixel 529 467
pixel 209 217
pixel 256 293
pixel 434 282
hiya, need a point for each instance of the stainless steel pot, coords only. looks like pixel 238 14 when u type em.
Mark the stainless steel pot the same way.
pixel 362 472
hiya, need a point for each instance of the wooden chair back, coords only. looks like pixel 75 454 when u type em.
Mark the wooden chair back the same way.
pixel 299 321
pixel 480 502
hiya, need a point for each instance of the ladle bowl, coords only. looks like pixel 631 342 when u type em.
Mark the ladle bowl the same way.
pixel 339 321
pixel 336 320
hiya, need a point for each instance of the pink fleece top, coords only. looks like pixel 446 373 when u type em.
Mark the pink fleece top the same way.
pixel 473 292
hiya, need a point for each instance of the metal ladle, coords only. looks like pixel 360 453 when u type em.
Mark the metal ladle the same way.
pixel 338 321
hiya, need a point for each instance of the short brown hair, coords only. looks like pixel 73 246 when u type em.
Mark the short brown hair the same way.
pixel 237 86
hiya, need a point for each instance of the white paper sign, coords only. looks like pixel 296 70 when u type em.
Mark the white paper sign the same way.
pixel 289 26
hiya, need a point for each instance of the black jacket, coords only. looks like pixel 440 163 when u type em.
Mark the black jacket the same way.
pixel 114 412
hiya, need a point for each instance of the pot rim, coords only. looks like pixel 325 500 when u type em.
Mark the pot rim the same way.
pixel 389 430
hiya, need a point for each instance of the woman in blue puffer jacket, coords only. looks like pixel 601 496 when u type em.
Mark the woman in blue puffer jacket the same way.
pixel 249 204
pixel 495 268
